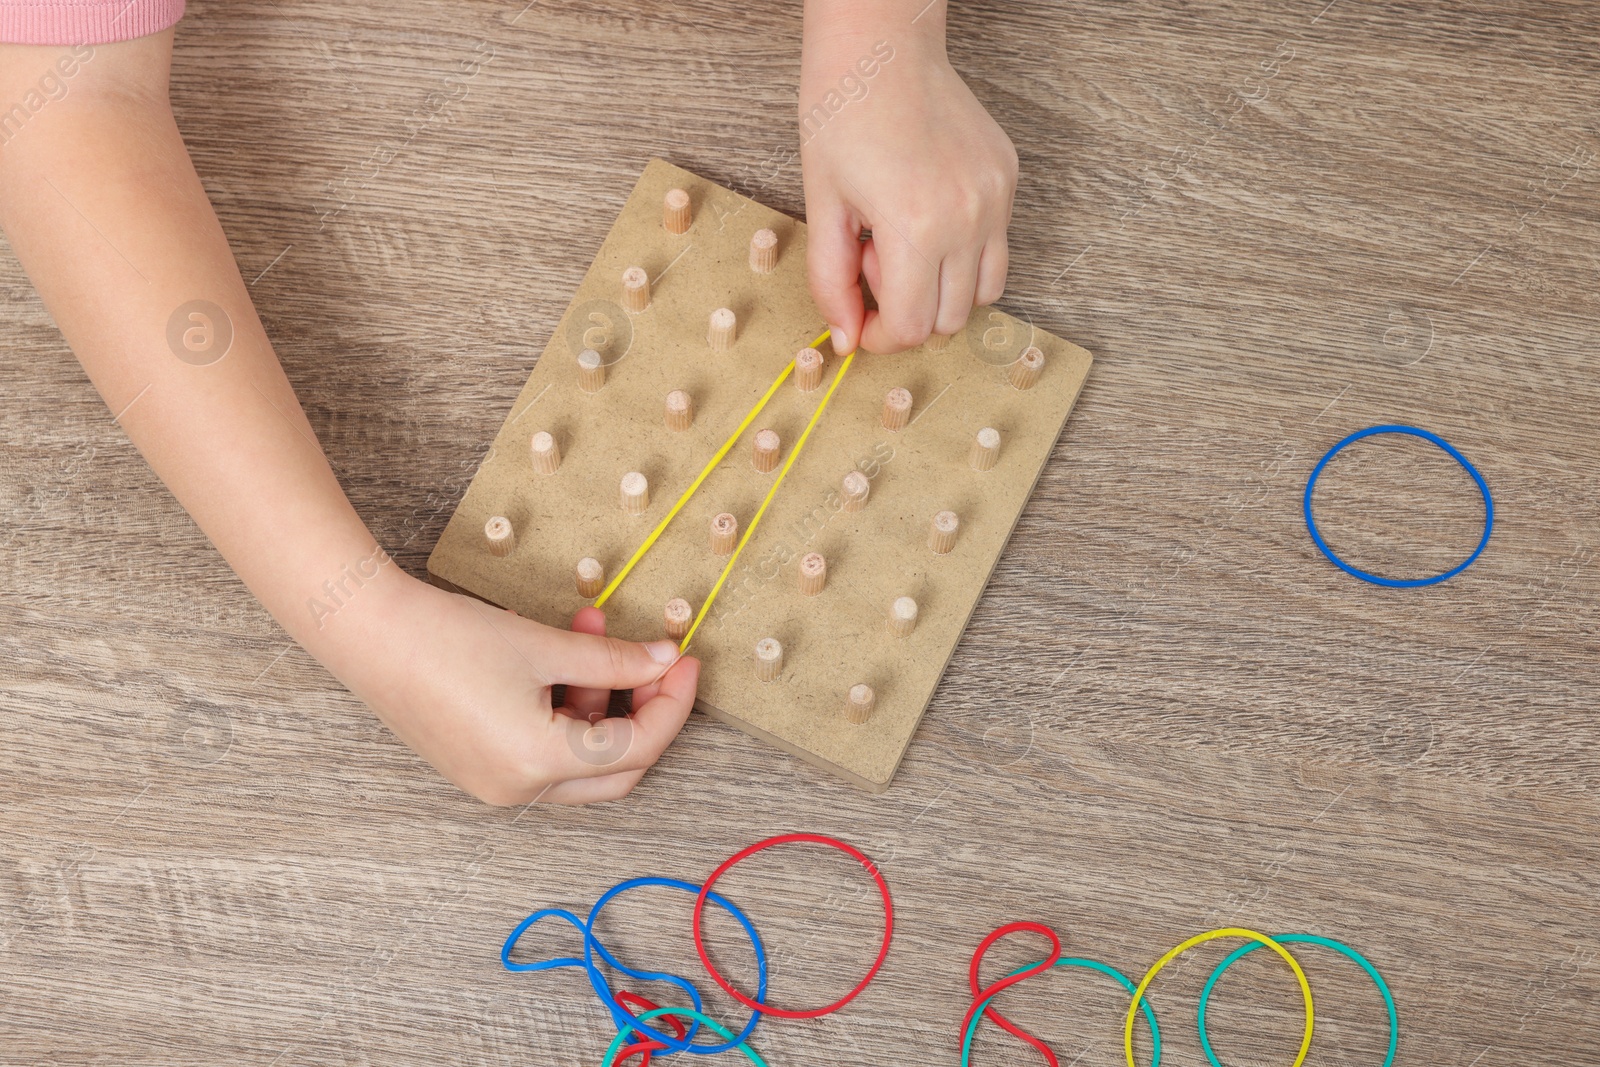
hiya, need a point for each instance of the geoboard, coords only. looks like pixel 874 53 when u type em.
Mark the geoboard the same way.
pixel 831 632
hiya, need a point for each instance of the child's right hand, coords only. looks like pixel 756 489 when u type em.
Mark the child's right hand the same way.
pixel 468 686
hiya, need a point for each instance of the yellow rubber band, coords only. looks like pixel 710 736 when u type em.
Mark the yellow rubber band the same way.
pixel 762 510
pixel 733 439
pixel 1200 939
pixel 744 424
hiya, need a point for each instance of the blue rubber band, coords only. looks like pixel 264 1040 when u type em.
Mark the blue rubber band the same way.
pixel 1308 939
pixel 1093 965
pixel 541 965
pixel 624 1019
pixel 596 979
pixel 1401 583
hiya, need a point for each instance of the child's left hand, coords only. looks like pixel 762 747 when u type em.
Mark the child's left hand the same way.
pixel 916 160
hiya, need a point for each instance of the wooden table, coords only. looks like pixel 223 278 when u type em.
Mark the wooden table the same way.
pixel 1272 223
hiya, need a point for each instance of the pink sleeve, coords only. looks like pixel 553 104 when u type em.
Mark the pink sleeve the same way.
pixel 69 22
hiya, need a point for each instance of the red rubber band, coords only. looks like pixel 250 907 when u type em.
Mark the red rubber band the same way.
pixel 782 839
pixel 979 995
pixel 634 1004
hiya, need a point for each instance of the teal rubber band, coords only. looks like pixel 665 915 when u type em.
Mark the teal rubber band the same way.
pixel 682 1013
pixel 1306 939
pixel 1073 961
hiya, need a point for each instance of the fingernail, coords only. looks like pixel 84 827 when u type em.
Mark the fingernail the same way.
pixel 662 651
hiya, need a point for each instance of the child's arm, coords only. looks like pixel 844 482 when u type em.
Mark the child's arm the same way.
pixel 104 209
pixel 893 141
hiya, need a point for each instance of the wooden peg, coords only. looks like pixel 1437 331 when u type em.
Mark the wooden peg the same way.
pixel 764 450
pixel 896 409
pixel 675 211
pixel 722 330
pixel 859 704
pixel 1026 370
pixel 769 658
pixel 678 616
pixel 854 489
pixel 724 533
pixel 902 616
pixel 942 535
pixel 635 289
pixel 936 342
pixel 680 410
pixel 635 493
pixel 546 456
pixel 763 251
pixel 807 369
pixel 813 573
pixel 500 537
pixel 591 371
pixel 985 449
pixel 591 577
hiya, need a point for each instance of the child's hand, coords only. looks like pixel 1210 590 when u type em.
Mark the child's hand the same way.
pixel 467 686
pixel 914 158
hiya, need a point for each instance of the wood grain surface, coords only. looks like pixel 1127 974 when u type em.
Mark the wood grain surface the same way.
pixel 1272 224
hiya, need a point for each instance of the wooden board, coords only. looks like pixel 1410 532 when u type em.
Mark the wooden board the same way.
pixel 833 640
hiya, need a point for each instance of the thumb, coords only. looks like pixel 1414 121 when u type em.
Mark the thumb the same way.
pixel 601 662
pixel 833 261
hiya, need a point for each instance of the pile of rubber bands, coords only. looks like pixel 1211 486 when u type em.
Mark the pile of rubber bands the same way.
pixel 633 1013
pixel 983 996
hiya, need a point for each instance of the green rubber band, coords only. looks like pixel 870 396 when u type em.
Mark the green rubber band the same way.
pixel 682 1013
pixel 1308 939
pixel 1073 961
